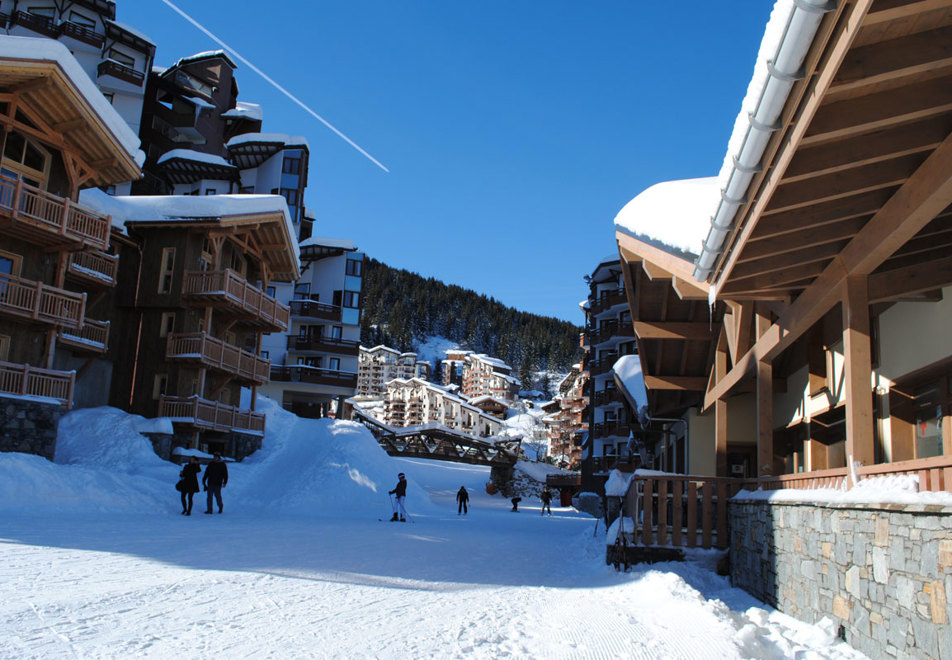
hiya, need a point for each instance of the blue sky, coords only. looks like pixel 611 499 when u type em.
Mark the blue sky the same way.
pixel 514 130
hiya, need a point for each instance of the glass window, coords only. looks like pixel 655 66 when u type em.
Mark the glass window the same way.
pixel 351 299
pixel 302 290
pixel 291 195
pixel 334 364
pixel 291 165
pixel 121 58
pixel 166 268
pixel 48 12
pixel 79 19
pixel 354 267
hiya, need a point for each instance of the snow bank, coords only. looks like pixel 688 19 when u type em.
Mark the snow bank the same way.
pixel 893 489
pixel 617 484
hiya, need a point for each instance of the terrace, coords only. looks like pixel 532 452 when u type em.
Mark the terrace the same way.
pixel 25 380
pixel 211 415
pixel 218 355
pixel 228 290
pixel 38 302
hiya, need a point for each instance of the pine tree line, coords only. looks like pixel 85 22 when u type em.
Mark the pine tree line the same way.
pixel 400 306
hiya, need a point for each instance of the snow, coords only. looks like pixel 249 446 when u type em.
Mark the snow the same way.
pixel 433 349
pixel 131 30
pixel 204 55
pixel 885 490
pixel 672 214
pixel 29 48
pixel 245 110
pixel 280 138
pixel 195 156
pixel 97 562
pixel 617 484
pixel 628 370
pixel 199 103
pixel 333 243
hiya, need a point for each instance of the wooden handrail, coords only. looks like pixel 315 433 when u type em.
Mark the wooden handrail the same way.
pixel 935 474
pixel 211 414
pixel 218 354
pixel 25 380
pixel 53 213
pixel 95 333
pixel 96 265
pixel 231 286
pixel 41 302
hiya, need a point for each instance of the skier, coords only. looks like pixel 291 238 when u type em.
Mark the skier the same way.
pixel 400 490
pixel 189 482
pixel 214 479
pixel 515 503
pixel 462 497
pixel 546 498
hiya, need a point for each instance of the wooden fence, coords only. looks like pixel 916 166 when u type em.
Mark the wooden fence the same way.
pixel 52 213
pixel 210 414
pixel 41 302
pixel 24 380
pixel 236 290
pixel 219 355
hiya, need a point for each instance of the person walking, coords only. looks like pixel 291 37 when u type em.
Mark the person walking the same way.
pixel 463 498
pixel 189 475
pixel 546 498
pixel 214 479
pixel 400 490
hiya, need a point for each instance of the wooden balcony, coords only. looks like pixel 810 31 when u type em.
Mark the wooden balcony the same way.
pixel 607 301
pixel 93 337
pixel 612 330
pixel 611 429
pixel 35 301
pixel 39 24
pixel 46 219
pixel 121 72
pixel 218 355
pixel 312 309
pixel 602 365
pixel 24 380
pixel 211 415
pixel 228 290
pixel 82 33
pixel 308 343
pixel 94 268
pixel 313 376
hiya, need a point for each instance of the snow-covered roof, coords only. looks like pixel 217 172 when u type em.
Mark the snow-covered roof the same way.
pixel 491 361
pixel 379 348
pixel 40 49
pixel 488 399
pixel 245 110
pixel 194 156
pixel 131 30
pixel 334 243
pixel 672 214
pixel 204 55
pixel 628 371
pixel 276 138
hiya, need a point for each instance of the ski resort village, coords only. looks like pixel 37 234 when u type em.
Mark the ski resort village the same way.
pixel 228 428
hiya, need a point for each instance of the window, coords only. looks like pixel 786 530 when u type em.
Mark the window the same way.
pixel 79 19
pixel 206 261
pixel 121 58
pixel 291 195
pixel 48 12
pixel 10 263
pixel 238 263
pixel 265 354
pixel 291 165
pixel 4 347
pixel 166 268
pixel 334 364
pixel 167 324
pixel 351 299
pixel 271 291
pixel 25 159
pixel 159 385
pixel 354 267
pixel 336 332
pixel 302 290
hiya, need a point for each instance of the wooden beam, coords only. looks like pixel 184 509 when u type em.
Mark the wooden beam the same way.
pixel 765 461
pixel 70 125
pixel 796 221
pixel 806 254
pixel 857 372
pixel 654 272
pixel 699 331
pixel 775 279
pixel 35 85
pixel 672 264
pixel 682 383
pixel 886 14
pixel 901 282
pixel 690 290
pixel 720 411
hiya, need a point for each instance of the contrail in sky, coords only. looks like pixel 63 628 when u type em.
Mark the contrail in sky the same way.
pixel 274 84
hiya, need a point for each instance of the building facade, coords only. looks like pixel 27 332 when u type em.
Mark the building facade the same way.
pixel 381 364
pixel 415 402
pixel 487 376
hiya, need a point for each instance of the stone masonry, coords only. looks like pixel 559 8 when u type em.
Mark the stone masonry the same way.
pixel 883 572
pixel 29 426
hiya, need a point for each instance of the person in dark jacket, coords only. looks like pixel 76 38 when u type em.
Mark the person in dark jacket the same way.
pixel 189 475
pixel 214 479
pixel 463 498
pixel 546 498
pixel 400 490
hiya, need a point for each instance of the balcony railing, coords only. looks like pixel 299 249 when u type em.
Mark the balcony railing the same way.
pixel 603 364
pixel 602 398
pixel 228 288
pixel 611 330
pixel 40 302
pixel 323 344
pixel 121 72
pixel 39 24
pixel 94 267
pixel 24 380
pixel 218 355
pixel 607 301
pixel 93 337
pixel 611 429
pixel 313 376
pixel 82 33
pixel 213 415
pixel 42 216
pixel 315 310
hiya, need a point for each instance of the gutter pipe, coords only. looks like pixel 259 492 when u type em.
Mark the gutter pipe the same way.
pixel 784 69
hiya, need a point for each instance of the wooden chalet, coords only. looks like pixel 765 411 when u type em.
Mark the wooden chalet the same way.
pixel 811 334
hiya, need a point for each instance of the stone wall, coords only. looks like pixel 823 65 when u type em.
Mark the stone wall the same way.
pixel 882 572
pixel 29 426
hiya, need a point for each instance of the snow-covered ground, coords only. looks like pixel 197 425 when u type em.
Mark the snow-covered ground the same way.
pixel 96 561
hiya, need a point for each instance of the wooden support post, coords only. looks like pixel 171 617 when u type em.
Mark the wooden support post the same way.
pixel 720 413
pixel 765 425
pixel 50 349
pixel 858 372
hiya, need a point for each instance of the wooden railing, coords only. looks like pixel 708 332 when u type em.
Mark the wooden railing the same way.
pixel 229 286
pixel 219 355
pixel 680 510
pixel 607 301
pixel 121 71
pixel 315 310
pixel 603 364
pixel 313 375
pixel 93 336
pixel 323 344
pixel 210 414
pixel 52 214
pixel 41 24
pixel 82 33
pixel 41 302
pixel 935 474
pixel 24 380
pixel 95 266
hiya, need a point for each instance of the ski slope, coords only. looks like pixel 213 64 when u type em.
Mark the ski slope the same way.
pixel 96 561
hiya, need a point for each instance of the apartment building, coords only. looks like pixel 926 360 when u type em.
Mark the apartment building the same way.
pixel 379 365
pixel 57 267
pixel 487 376
pixel 115 56
pixel 565 422
pixel 415 402
pixel 608 336
pixel 451 368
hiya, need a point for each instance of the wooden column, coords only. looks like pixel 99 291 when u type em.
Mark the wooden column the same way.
pixel 720 411
pixel 857 378
pixel 765 425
